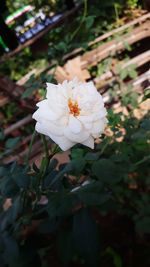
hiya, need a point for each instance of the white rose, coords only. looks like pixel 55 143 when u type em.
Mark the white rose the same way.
pixel 72 113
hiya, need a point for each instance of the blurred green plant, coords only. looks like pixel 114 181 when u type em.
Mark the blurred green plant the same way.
pixel 132 4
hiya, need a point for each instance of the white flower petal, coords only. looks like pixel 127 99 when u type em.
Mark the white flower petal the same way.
pixel 77 138
pixel 86 118
pixel 49 128
pixel 51 89
pixel 98 127
pixel 44 112
pixel 54 128
pixel 89 142
pixel 63 142
pixel 40 128
pixel 87 125
pixel 74 124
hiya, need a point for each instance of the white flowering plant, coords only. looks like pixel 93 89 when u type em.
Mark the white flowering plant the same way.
pixel 72 113
pixel 61 207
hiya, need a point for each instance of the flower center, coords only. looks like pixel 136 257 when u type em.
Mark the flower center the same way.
pixel 73 107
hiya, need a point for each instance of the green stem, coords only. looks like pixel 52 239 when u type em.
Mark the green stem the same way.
pixel 45 145
pixel 116 11
pixel 56 150
pixel 104 147
pixel 142 160
pixel 81 22
pixel 30 147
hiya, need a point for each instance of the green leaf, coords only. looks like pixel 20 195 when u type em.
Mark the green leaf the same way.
pixel 77 166
pixel 28 92
pixel 20 176
pixel 91 156
pixel 12 142
pixel 127 46
pixel 23 181
pixel 107 171
pixel 74 167
pixel 93 199
pixel 60 204
pixel 31 85
pixel 77 153
pixel 85 236
pixel 89 21
pixel 145 124
pixel 116 257
pixel 8 187
pixel 143 225
pixel 65 246
pixel 133 73
pixel 59 177
pixel 146 94
pixel 49 178
pixel 48 226
pixel 11 251
pixel 123 74
pixel 52 165
pixel 16 207
pixel 3 171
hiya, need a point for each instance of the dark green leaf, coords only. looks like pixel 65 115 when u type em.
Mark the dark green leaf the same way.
pixel 77 153
pixel 8 187
pixel 106 170
pixel 93 199
pixel 20 176
pixel 89 21
pixel 11 251
pixel 91 156
pixel 65 246
pixel 85 236
pixel 48 226
pixel 16 208
pixel 145 124
pixel 143 225
pixel 12 142
pixel 52 165
pixel 77 166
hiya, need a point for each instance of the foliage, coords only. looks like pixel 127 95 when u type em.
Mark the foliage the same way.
pixel 132 3
pixel 51 5
pixel 62 207
pixel 114 178
pixel 12 6
pixel 58 41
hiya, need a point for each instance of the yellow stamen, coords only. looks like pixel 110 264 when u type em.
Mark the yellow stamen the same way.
pixel 73 107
